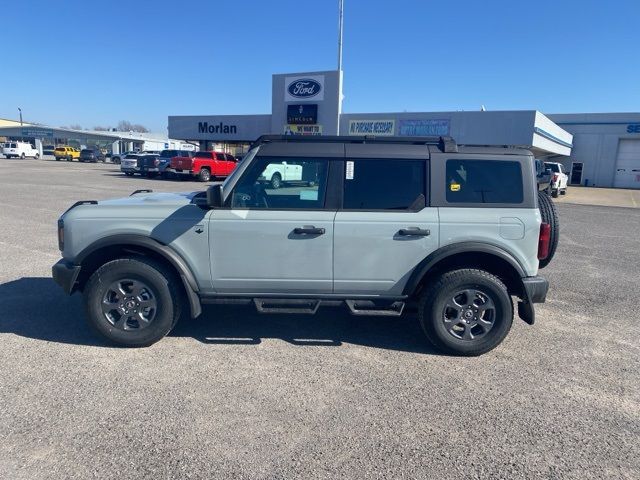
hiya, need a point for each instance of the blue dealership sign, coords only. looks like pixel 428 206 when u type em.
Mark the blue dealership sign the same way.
pixel 424 128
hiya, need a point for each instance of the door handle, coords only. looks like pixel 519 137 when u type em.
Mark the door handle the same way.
pixel 414 232
pixel 308 230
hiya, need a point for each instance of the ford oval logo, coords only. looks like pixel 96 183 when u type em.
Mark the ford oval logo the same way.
pixel 304 88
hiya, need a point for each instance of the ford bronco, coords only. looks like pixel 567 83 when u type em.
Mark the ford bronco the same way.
pixel 374 225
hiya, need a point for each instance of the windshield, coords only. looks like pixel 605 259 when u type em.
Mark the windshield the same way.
pixel 553 166
pixel 131 156
pixel 169 153
pixel 87 151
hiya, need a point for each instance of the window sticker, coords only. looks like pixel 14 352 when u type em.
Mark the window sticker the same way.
pixel 455 187
pixel 309 195
pixel 349 171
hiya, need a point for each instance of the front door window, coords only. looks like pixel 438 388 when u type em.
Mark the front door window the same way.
pixel 282 183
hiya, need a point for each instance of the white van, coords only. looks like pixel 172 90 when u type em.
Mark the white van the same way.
pixel 19 149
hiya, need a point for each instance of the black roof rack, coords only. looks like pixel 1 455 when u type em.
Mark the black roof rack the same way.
pixel 446 144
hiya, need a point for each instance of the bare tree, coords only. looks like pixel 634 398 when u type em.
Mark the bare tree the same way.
pixel 102 129
pixel 75 127
pixel 126 126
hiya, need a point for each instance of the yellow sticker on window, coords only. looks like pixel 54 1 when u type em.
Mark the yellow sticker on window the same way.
pixel 455 187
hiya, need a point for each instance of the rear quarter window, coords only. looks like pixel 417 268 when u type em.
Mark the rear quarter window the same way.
pixel 484 181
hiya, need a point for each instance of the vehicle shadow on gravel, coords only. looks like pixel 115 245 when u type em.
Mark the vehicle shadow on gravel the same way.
pixel 35 307
pixel 330 327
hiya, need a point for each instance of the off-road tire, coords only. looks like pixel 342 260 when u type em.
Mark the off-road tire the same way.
pixel 276 181
pixel 204 175
pixel 434 298
pixel 549 215
pixel 166 289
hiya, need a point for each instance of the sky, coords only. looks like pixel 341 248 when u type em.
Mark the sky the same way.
pixel 94 63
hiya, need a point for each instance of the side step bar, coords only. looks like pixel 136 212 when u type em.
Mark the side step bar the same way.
pixel 309 306
pixel 286 305
pixel 370 307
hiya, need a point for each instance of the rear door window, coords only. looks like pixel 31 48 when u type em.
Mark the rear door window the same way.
pixel 385 184
pixel 484 181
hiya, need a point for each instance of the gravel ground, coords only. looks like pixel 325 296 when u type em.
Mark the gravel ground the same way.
pixel 237 395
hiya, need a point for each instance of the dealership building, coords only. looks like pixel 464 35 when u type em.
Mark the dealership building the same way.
pixel 44 138
pixel 596 149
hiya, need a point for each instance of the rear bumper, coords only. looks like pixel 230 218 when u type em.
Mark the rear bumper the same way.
pixel 65 274
pixel 536 288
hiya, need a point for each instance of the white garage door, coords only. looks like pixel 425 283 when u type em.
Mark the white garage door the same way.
pixel 628 164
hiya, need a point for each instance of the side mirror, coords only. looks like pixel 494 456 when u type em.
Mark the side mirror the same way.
pixel 214 196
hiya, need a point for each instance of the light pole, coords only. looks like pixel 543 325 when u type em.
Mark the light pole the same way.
pixel 20 110
pixel 340 29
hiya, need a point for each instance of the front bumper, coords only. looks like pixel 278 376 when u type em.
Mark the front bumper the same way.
pixel 65 274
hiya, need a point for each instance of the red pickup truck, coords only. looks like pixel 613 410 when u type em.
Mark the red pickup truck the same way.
pixel 204 165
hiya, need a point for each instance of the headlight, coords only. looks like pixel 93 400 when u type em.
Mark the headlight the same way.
pixel 61 234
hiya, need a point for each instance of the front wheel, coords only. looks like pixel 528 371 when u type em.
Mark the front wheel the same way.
pixel 129 301
pixel 22 156
pixel 466 312
pixel 37 156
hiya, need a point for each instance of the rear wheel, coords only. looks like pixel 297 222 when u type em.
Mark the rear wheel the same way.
pixel 129 174
pixel 204 175
pixel 129 301
pixel 22 155
pixel 549 215
pixel 37 156
pixel 276 181
pixel 466 312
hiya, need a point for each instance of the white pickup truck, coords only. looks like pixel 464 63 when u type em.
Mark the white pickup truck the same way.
pixel 559 179
pixel 278 173
pixel 19 149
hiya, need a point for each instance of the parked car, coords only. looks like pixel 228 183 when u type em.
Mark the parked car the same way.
pixel 14 149
pixel 91 155
pixel 164 165
pixel 149 165
pixel 64 152
pixel 204 165
pixel 559 179
pixel 48 150
pixel 129 164
pixel 117 157
pixel 453 229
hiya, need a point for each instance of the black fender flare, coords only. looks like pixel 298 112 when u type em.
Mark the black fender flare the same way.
pixel 132 240
pixel 454 249
pixel 525 307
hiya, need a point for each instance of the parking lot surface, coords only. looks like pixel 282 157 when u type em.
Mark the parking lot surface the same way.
pixel 235 394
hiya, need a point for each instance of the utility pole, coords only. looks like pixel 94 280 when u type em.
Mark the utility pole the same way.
pixel 20 110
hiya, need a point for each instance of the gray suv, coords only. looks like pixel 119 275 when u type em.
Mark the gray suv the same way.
pixel 374 224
